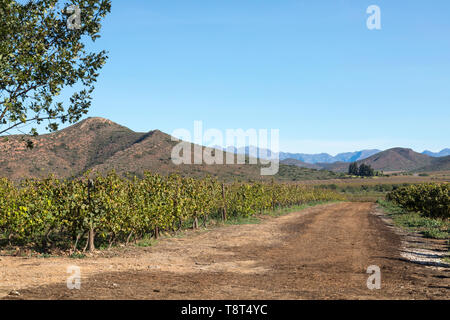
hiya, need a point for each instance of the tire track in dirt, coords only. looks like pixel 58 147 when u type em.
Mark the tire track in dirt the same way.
pixel 319 253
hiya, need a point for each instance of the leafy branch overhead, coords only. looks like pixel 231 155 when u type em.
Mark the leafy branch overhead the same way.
pixel 40 56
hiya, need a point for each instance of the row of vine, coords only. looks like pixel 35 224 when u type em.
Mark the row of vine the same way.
pixel 110 209
pixel 430 199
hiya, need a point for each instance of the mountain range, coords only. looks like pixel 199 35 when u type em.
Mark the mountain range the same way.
pixel 327 158
pixel 395 159
pixel 442 153
pixel 322 158
pixel 100 145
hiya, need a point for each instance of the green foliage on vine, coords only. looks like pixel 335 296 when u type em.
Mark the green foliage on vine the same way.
pixel 40 211
pixel 430 199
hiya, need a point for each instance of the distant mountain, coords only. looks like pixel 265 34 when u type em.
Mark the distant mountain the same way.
pixel 442 153
pixel 355 156
pixel 308 158
pixel 101 145
pixel 301 164
pixel 395 159
pixel 326 158
pixel 253 152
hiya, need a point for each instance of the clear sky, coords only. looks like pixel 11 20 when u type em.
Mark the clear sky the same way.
pixel 311 69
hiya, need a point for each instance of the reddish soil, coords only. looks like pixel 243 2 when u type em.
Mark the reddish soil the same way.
pixel 319 253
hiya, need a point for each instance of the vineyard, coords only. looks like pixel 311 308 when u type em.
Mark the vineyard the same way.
pixel 430 199
pixel 83 213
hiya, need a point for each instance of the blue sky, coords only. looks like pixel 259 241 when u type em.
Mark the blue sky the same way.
pixel 311 69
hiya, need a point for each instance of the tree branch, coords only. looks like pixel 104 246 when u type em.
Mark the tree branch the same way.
pixel 29 120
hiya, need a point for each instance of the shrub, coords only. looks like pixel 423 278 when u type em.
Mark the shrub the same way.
pixel 430 199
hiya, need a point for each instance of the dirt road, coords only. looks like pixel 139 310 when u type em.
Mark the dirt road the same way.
pixel 319 253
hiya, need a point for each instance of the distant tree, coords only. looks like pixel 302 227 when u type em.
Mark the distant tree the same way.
pixel 366 170
pixel 42 51
pixel 353 169
pixel 379 173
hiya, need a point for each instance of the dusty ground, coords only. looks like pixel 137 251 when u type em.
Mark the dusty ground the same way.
pixel 319 253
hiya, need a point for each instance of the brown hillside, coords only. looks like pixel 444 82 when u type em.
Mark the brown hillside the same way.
pixel 101 145
pixel 438 164
pixel 153 153
pixel 66 152
pixel 395 159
